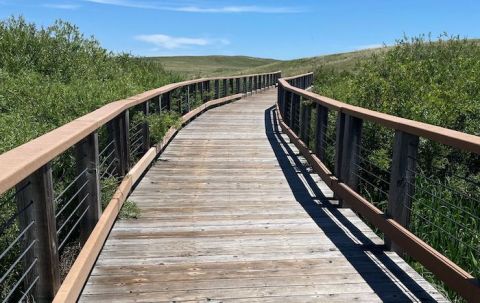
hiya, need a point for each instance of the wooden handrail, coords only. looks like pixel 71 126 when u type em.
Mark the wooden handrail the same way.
pixel 28 170
pixel 297 76
pixel 439 134
pixel 23 160
pixel 393 223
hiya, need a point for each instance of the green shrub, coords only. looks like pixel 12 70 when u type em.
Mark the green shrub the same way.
pixel 436 82
pixel 53 75
pixel 50 76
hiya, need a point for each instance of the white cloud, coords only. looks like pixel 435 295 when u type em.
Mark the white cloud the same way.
pixel 62 6
pixel 238 9
pixel 179 7
pixel 169 42
pixel 126 3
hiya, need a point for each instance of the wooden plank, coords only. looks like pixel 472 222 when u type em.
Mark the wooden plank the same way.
pixel 78 274
pixel 441 266
pixel 22 161
pixel 228 212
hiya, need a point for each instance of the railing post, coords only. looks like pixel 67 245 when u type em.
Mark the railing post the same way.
pixel 217 88
pixel 187 95
pixel 351 147
pixel 195 89
pixel 238 90
pixel 308 123
pixel 159 103
pixel 292 109
pixel 167 100
pixel 145 127
pixel 37 200
pixel 302 120
pixel 287 100
pixel 87 159
pixel 339 132
pixel 209 91
pixel 281 101
pixel 297 111
pixel 402 180
pixel 118 131
pixel 321 131
pixel 180 100
pixel 231 90
pixel 225 88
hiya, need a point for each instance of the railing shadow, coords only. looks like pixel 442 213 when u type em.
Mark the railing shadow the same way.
pixel 391 283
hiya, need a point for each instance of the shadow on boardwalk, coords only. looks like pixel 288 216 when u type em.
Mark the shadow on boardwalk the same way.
pixel 390 283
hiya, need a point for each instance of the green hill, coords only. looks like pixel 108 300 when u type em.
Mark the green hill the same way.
pixel 339 62
pixel 198 66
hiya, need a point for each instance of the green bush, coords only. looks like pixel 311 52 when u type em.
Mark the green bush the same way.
pixel 48 77
pixel 436 82
pixel 53 75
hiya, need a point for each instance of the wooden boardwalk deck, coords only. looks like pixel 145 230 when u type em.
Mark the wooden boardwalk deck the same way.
pixel 230 213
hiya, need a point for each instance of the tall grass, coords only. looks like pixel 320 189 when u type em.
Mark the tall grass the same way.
pixel 437 82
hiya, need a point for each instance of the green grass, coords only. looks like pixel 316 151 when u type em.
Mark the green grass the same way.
pixel 200 66
pixel 338 62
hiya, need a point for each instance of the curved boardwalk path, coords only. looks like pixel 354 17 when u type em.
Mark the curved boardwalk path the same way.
pixel 230 213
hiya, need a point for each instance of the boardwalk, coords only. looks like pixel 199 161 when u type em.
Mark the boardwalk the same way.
pixel 230 213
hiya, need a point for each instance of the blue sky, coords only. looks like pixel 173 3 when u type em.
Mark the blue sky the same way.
pixel 281 29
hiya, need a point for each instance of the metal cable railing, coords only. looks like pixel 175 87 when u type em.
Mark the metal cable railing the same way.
pixel 53 194
pixel 374 159
pixel 16 243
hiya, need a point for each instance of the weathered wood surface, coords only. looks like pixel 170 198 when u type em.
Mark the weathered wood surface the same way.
pixel 231 213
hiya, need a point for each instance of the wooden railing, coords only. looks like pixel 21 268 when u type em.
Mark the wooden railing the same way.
pixel 52 187
pixel 304 117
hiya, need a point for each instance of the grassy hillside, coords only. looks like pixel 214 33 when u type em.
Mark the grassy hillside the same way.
pixel 198 66
pixel 195 66
pixel 338 62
